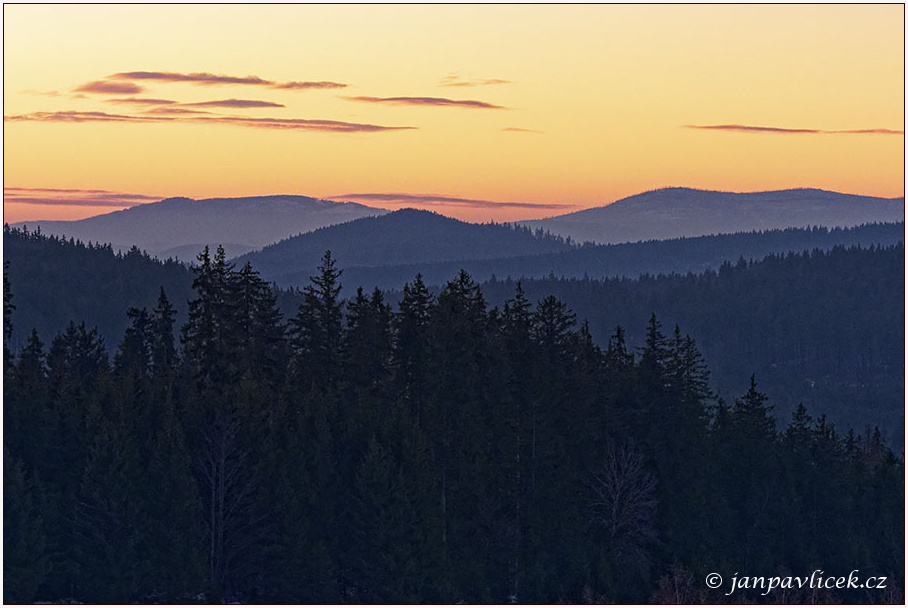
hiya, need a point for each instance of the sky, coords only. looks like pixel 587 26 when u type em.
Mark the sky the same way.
pixel 480 112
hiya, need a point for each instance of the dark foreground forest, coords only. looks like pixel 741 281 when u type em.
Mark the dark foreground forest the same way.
pixel 444 452
pixel 822 328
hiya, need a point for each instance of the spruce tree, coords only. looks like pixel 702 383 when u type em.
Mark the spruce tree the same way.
pixel 107 519
pixel 27 421
pixel 25 553
pixel 411 347
pixel 385 540
pixel 164 352
pixel 8 308
pixel 317 329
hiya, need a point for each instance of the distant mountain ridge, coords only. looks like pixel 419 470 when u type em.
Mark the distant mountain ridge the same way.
pixel 406 236
pixel 180 227
pixel 630 260
pixel 670 213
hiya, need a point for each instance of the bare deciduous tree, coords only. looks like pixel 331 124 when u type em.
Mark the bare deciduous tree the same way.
pixel 625 503
pixel 229 484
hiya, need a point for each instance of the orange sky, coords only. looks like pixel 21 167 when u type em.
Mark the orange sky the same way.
pixel 480 112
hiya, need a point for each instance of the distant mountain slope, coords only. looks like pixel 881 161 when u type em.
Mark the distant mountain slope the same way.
pixel 407 236
pixel 678 212
pixel 680 256
pixel 181 227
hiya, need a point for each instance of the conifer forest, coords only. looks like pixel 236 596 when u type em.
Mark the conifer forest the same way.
pixel 430 449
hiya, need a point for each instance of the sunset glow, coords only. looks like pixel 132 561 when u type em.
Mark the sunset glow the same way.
pixel 500 112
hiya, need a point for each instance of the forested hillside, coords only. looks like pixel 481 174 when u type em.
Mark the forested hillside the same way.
pixel 625 260
pixel 446 452
pixel 823 328
pixel 60 280
pixel 407 236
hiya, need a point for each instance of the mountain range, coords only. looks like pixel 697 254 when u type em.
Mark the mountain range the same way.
pixel 181 227
pixel 285 236
pixel 678 212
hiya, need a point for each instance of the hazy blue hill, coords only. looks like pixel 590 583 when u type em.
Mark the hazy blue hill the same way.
pixel 678 212
pixel 181 227
pixel 684 255
pixel 407 236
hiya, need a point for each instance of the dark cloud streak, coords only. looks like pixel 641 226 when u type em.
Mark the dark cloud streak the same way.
pixel 79 191
pixel 430 199
pixel 297 86
pixel 869 132
pixel 73 197
pixel 457 81
pixel 208 79
pixel 83 202
pixel 171 110
pixel 782 130
pixel 202 78
pixel 428 101
pixel 109 88
pixel 142 101
pixel 520 130
pixel 750 129
pixel 300 124
pixel 234 103
pixel 74 116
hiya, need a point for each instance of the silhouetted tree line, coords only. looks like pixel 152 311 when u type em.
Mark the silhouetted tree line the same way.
pixel 442 452
pixel 826 328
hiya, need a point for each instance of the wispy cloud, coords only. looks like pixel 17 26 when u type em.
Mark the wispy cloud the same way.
pixel 42 93
pixel 298 124
pixel 520 130
pixel 784 130
pixel 750 129
pixel 79 191
pixel 174 111
pixel 73 197
pixel 53 94
pixel 140 101
pixel 870 132
pixel 321 84
pixel 433 200
pixel 203 78
pixel 208 79
pixel 109 88
pixel 457 81
pixel 428 101
pixel 235 103
pixel 74 116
